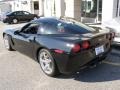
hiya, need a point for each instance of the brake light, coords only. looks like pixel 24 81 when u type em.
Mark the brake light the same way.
pixel 76 48
pixel 85 45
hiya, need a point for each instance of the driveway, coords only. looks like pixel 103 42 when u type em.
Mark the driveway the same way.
pixel 19 72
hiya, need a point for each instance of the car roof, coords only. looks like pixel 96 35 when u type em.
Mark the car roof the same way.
pixel 46 19
pixel 18 11
pixel 55 21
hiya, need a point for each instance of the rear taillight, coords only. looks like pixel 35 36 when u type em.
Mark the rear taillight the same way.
pixel 85 45
pixel 76 48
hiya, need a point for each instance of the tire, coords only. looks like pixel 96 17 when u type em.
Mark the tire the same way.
pixel 47 63
pixel 7 43
pixel 14 21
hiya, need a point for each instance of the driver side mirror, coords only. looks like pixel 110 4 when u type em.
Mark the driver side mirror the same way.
pixel 17 32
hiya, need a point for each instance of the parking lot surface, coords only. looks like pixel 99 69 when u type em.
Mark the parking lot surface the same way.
pixel 19 72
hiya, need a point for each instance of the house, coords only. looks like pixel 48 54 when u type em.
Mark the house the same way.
pixel 59 8
pixel 26 5
pixel 4 7
pixel 89 10
pixel 111 13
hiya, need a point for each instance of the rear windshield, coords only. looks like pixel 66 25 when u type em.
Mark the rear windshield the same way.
pixel 61 27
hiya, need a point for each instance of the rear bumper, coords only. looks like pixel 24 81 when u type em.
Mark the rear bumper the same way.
pixel 6 20
pixel 70 63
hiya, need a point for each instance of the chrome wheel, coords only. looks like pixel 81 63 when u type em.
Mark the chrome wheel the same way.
pixel 6 42
pixel 15 20
pixel 46 62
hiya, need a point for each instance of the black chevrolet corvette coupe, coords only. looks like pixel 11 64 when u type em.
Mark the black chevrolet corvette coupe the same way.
pixel 60 46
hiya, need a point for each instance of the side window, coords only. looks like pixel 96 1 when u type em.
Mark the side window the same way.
pixel 19 13
pixel 14 13
pixel 26 13
pixel 47 28
pixel 31 28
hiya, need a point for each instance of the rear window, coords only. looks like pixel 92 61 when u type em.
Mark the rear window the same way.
pixel 60 27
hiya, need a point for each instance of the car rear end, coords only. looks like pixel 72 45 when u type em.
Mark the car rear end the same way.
pixel 89 50
pixel 6 19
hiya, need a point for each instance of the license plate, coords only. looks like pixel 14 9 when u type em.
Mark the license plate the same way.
pixel 99 50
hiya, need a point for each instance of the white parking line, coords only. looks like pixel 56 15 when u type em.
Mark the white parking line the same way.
pixel 111 63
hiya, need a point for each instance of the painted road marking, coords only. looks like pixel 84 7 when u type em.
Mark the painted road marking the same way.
pixel 112 63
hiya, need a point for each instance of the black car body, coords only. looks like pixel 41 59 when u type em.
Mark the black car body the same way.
pixel 72 45
pixel 16 16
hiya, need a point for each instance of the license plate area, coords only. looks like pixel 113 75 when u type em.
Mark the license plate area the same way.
pixel 99 50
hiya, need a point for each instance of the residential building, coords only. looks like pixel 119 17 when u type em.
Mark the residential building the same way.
pixel 58 8
pixel 4 7
pixel 111 14
pixel 26 5
pixel 111 11
pixel 87 11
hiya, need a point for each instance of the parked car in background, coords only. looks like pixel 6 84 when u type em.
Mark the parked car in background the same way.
pixel 59 45
pixel 17 16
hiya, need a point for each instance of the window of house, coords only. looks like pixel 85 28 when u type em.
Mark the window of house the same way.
pixel 36 5
pixel 89 5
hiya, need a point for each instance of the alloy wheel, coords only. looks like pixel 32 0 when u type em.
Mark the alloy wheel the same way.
pixel 46 62
pixel 15 21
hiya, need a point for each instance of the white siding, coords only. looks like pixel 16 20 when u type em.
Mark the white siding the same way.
pixel 109 9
